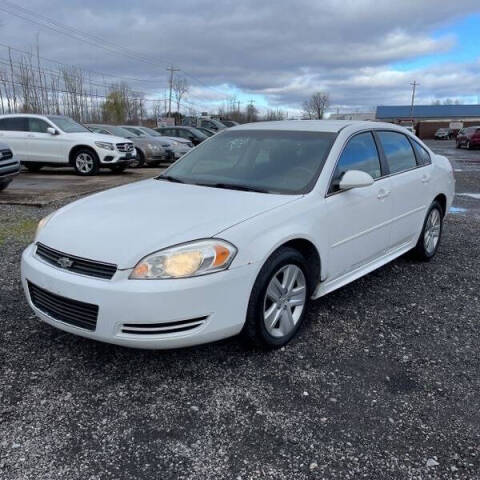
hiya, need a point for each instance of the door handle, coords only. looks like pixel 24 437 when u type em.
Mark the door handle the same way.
pixel 425 178
pixel 383 194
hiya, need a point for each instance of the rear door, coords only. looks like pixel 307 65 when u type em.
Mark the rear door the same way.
pixel 411 185
pixel 359 232
pixel 43 146
pixel 14 132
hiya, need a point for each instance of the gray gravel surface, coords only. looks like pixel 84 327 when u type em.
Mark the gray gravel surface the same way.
pixel 382 383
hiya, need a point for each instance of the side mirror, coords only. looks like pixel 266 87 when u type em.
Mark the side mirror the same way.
pixel 52 131
pixel 355 179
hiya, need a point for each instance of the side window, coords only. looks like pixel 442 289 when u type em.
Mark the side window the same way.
pixel 14 124
pixel 398 151
pixel 37 125
pixel 422 155
pixel 360 153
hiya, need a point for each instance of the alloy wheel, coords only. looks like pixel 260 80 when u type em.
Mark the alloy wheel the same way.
pixel 285 299
pixel 432 231
pixel 84 162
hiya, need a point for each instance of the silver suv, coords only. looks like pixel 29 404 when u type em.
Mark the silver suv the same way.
pixel 9 166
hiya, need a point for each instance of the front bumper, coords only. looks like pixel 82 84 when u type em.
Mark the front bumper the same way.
pixel 221 297
pixel 114 157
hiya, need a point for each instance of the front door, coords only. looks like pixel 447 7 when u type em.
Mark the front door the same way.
pixel 43 146
pixel 359 226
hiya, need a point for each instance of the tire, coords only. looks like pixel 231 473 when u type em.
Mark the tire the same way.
pixel 118 168
pixel 140 160
pixel 85 162
pixel 32 167
pixel 270 323
pixel 431 232
pixel 458 144
pixel 4 185
pixel 469 147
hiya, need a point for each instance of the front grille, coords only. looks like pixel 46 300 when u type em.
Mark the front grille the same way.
pixel 73 312
pixel 74 264
pixel 5 154
pixel 125 147
pixel 163 328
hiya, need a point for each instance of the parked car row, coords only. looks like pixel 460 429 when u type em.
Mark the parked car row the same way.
pixel 58 141
pixel 36 141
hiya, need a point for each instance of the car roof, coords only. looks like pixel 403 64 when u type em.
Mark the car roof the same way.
pixel 36 115
pixel 333 126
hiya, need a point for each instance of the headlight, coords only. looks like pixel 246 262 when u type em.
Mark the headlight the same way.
pixel 105 145
pixel 187 260
pixel 42 223
pixel 151 146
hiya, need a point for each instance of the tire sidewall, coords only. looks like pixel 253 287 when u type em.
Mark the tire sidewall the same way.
pixel 96 163
pixel 434 206
pixel 285 256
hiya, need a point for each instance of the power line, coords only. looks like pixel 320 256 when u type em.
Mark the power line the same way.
pixel 66 30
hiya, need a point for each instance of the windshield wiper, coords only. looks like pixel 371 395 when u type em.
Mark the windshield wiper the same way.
pixel 169 178
pixel 234 186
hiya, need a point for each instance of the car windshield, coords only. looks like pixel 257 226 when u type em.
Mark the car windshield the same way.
pixel 119 131
pixel 136 131
pixel 287 162
pixel 68 125
pixel 198 133
pixel 149 131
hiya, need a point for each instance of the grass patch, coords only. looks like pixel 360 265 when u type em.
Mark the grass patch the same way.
pixel 21 230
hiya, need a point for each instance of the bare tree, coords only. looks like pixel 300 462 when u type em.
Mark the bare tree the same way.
pixel 314 108
pixel 180 89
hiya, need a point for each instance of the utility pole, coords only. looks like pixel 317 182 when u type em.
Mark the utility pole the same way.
pixel 414 86
pixel 172 70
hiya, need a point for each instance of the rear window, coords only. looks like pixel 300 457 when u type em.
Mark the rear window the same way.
pixel 398 151
pixel 14 124
pixel 422 155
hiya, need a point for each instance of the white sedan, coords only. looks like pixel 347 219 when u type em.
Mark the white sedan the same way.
pixel 238 235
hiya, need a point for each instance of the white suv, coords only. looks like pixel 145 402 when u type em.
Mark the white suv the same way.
pixel 54 140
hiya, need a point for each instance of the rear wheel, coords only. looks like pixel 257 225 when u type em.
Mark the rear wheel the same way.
pixel 85 162
pixel 278 301
pixel 469 147
pixel 33 167
pixel 430 237
pixel 458 144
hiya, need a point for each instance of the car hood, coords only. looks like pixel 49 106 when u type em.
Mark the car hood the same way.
pixel 124 224
pixel 97 137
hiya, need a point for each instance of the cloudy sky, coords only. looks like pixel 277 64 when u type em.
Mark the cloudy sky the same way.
pixel 363 52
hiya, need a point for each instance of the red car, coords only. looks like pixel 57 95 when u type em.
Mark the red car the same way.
pixel 469 137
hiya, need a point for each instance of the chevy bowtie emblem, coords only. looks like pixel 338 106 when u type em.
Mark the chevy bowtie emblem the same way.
pixel 65 262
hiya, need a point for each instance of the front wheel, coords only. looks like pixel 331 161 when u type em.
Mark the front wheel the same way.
pixel 429 240
pixel 278 300
pixel 469 147
pixel 86 163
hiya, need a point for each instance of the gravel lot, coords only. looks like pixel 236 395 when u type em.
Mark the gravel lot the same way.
pixel 382 383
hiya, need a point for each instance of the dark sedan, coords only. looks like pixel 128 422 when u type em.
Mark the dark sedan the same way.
pixel 189 133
